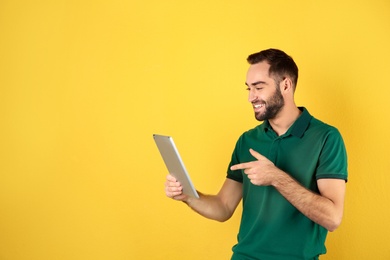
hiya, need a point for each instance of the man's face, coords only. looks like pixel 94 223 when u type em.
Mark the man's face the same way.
pixel 264 93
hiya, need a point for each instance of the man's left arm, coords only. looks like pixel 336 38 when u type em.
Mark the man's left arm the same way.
pixel 325 208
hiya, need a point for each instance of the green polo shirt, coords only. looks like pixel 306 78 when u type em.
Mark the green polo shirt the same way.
pixel 271 228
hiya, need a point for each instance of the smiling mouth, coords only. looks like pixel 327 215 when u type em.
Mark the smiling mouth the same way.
pixel 258 107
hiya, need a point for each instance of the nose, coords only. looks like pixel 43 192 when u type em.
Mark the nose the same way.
pixel 251 95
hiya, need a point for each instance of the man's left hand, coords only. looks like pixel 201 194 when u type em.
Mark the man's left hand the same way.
pixel 260 172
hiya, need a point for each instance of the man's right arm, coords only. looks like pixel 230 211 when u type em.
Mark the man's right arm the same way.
pixel 218 207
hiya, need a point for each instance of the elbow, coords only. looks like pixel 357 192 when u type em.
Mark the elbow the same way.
pixel 223 218
pixel 332 228
pixel 334 224
pixel 224 215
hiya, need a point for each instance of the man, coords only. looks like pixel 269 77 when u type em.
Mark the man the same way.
pixel 290 171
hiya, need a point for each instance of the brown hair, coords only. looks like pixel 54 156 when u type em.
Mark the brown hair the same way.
pixel 281 64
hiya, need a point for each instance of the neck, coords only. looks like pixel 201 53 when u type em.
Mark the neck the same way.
pixel 285 119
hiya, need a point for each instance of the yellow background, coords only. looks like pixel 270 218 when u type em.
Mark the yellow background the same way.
pixel 85 84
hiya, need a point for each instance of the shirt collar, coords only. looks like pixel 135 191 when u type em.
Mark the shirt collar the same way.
pixel 301 124
pixel 298 128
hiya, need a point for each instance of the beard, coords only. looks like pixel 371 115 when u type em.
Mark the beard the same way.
pixel 272 106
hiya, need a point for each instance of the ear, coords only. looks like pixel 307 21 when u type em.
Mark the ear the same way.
pixel 286 85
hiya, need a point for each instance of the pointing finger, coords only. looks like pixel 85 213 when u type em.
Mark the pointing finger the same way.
pixel 240 166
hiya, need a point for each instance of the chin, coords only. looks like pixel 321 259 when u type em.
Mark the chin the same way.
pixel 259 117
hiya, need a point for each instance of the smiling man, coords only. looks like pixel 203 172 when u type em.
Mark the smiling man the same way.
pixel 290 171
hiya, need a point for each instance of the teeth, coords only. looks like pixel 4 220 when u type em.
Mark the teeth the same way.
pixel 257 106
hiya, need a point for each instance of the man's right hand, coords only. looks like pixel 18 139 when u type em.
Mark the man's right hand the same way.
pixel 173 189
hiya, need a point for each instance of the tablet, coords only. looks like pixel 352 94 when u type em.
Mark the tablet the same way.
pixel 174 163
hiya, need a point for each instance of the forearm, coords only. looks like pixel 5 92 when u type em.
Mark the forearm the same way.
pixel 210 206
pixel 316 207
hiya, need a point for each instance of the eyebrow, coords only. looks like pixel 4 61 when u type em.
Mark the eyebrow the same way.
pixel 256 83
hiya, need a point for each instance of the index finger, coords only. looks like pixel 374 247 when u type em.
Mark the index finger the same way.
pixel 240 166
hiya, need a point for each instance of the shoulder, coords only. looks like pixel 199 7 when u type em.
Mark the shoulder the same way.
pixel 319 127
pixel 255 133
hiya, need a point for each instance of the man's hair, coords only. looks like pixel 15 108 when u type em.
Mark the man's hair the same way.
pixel 281 64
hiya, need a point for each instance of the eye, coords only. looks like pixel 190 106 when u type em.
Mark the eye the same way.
pixel 256 88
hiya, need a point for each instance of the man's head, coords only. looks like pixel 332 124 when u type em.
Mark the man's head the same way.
pixel 271 81
pixel 281 64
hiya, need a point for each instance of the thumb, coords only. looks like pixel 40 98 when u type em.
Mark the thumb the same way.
pixel 255 154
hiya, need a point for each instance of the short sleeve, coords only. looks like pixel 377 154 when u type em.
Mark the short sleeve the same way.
pixel 332 162
pixel 237 174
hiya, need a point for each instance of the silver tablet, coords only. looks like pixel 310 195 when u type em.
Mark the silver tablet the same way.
pixel 174 163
